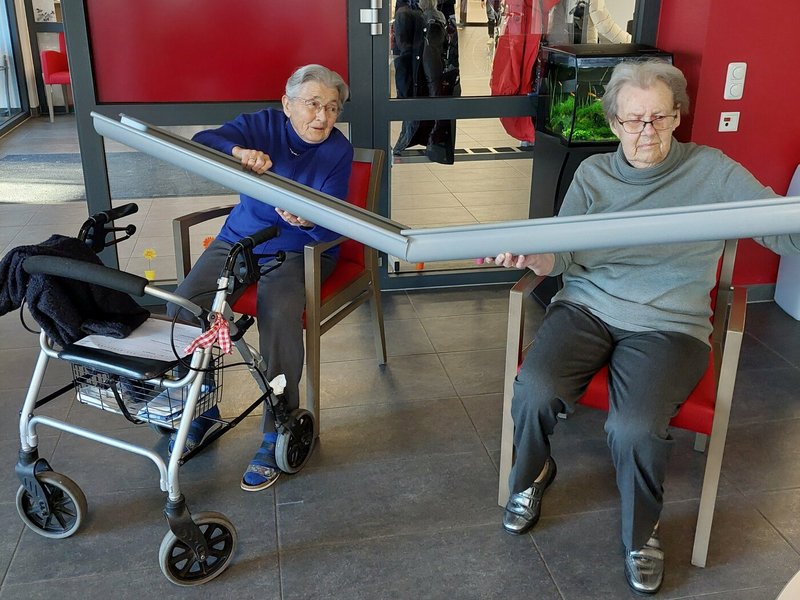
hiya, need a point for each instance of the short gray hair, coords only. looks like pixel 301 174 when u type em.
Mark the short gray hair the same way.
pixel 427 5
pixel 644 74
pixel 322 75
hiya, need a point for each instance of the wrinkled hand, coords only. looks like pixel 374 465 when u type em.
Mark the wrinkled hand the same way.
pixel 293 219
pixel 541 264
pixel 253 160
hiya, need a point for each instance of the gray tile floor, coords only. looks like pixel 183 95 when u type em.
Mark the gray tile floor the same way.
pixel 399 498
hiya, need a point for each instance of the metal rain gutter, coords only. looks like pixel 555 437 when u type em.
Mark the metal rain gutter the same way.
pixel 708 222
pixel 322 209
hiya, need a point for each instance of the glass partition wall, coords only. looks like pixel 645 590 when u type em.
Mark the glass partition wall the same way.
pixel 487 121
pixel 12 89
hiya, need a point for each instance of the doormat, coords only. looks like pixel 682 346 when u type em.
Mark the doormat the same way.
pixel 55 178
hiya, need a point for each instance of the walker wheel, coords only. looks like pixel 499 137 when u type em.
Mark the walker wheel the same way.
pixel 67 506
pixel 178 562
pixel 293 450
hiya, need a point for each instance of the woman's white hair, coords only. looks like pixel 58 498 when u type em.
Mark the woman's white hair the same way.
pixel 322 75
pixel 644 74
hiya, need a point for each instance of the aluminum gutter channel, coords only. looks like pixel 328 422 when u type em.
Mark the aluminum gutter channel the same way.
pixel 733 220
pixel 325 210
pixel 707 222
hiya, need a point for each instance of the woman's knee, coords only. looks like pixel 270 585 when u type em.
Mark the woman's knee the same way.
pixel 535 395
pixel 632 433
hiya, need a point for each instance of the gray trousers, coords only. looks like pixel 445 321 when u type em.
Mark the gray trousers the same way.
pixel 280 303
pixel 650 375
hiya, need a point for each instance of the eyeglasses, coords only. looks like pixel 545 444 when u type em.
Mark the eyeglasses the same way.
pixel 637 125
pixel 331 110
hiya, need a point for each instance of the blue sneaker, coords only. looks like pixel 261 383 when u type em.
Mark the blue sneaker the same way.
pixel 262 471
pixel 199 429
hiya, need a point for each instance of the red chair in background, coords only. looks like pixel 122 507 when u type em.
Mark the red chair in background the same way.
pixel 353 282
pixel 55 71
pixel 706 411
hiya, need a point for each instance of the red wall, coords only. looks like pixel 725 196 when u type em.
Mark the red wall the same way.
pixel 706 35
pixel 210 50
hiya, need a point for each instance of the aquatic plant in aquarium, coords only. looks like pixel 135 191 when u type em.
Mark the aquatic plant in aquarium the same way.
pixel 589 122
pixel 570 83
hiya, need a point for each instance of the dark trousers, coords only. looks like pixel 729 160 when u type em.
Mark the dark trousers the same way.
pixel 492 15
pixel 280 303
pixel 650 376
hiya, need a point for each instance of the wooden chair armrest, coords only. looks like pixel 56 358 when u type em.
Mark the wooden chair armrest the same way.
pixel 180 235
pixel 317 248
pixel 527 283
pixel 516 317
pixel 727 346
pixel 312 258
pixel 736 317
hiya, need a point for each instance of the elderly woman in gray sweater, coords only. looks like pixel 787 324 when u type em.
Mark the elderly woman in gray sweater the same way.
pixel 644 311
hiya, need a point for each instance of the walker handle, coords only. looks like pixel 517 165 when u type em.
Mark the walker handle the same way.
pixel 115 213
pixel 101 275
pixel 259 237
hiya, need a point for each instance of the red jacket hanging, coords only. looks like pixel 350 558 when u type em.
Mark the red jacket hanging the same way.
pixel 515 57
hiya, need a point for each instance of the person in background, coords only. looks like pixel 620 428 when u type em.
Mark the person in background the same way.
pixel 493 12
pixel 462 13
pixel 643 311
pixel 301 143
pixel 448 8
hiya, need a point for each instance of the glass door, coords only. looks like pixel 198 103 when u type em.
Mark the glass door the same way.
pixel 454 104
pixel 13 93
pixel 459 143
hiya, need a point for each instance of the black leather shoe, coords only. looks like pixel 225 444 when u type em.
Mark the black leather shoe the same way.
pixel 644 568
pixel 523 508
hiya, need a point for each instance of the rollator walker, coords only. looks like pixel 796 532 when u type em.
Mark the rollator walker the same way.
pixel 165 391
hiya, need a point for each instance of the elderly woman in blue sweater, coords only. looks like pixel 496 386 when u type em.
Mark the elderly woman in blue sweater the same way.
pixel 301 143
pixel 644 311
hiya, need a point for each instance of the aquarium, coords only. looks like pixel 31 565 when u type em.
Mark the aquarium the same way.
pixel 570 82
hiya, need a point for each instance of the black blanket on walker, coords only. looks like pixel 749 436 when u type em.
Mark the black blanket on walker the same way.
pixel 66 309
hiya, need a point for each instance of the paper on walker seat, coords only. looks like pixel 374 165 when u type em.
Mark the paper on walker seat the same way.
pixel 104 399
pixel 167 407
pixel 153 339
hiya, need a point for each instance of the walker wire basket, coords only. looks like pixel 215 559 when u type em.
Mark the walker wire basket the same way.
pixel 141 401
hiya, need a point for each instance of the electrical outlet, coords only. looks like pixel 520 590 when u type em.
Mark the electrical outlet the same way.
pixel 729 121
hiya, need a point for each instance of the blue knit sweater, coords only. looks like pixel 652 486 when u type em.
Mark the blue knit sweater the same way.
pixel 324 167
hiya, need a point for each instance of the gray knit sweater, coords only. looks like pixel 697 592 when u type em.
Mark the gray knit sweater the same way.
pixel 660 287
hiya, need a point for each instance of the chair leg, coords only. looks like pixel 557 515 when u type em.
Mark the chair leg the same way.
pixel 514 341
pixel 716 443
pixel 66 90
pixel 708 499
pixel 506 451
pixel 313 368
pixel 377 324
pixel 49 93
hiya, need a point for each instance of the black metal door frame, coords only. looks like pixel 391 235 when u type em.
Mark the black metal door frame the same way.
pixel 388 109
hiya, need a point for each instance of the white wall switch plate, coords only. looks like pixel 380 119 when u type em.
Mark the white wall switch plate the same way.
pixel 734 81
pixel 729 121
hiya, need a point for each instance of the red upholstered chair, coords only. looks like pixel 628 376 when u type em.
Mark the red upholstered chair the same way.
pixel 55 71
pixel 706 412
pixel 353 281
